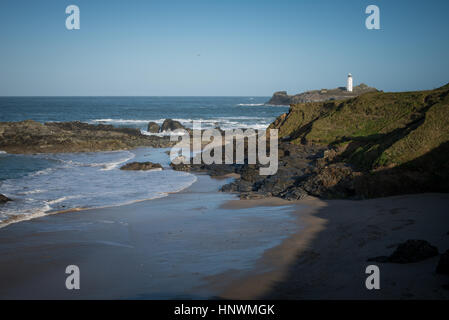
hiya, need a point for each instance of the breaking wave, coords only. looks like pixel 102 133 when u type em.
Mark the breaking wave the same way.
pixel 89 180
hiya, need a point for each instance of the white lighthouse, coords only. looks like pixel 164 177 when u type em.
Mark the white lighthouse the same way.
pixel 349 85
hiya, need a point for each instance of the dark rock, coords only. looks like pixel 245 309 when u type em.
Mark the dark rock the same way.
pixel 230 187
pixel 171 125
pixel 4 199
pixel 443 264
pixel 328 182
pixel 282 98
pixel 413 251
pixel 238 186
pixel 294 193
pixel 141 166
pixel 34 137
pixel 250 173
pixel 254 195
pixel 183 167
pixel 215 170
pixel 153 127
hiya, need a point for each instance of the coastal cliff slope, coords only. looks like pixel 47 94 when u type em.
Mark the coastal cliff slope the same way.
pixel 374 130
pixel 375 145
pixel 388 143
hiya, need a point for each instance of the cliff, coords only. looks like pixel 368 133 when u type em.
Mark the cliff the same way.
pixel 389 143
pixel 374 145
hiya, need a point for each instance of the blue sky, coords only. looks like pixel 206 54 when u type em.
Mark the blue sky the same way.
pixel 227 47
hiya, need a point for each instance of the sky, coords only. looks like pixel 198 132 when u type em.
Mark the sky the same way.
pixel 219 48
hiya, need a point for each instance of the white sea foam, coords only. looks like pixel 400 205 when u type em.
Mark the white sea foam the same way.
pixel 277 105
pixel 161 134
pixel 135 121
pixel 3 152
pixel 228 122
pixel 89 180
pixel 251 104
pixel 42 172
pixel 59 200
pixel 32 191
pixel 115 164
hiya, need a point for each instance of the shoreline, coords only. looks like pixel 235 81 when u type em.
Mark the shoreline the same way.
pixel 32 216
pixel 157 249
pixel 327 259
pixel 381 224
pixel 38 213
pixel 363 228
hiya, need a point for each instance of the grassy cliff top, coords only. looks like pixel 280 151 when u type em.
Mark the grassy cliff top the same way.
pixel 374 130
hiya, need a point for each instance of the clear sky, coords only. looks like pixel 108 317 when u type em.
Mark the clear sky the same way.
pixel 226 47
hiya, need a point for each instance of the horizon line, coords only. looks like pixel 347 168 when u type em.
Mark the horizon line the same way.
pixel 131 96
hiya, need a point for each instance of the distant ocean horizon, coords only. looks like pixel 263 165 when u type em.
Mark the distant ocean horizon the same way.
pixel 44 183
pixel 136 112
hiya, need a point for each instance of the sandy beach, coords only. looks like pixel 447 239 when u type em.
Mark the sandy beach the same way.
pixel 164 248
pixel 202 244
pixel 328 258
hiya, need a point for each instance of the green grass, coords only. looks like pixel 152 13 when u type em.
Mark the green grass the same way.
pixel 376 129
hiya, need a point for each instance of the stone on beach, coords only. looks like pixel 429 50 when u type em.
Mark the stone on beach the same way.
pixel 413 251
pixel 409 252
pixel 141 166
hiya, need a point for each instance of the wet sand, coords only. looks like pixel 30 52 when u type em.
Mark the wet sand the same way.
pixel 328 257
pixel 201 244
pixel 158 249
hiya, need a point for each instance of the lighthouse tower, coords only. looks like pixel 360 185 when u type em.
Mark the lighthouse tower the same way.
pixel 349 85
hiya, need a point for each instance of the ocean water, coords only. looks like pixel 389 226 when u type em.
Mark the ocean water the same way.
pixel 136 112
pixel 42 184
pixel 45 183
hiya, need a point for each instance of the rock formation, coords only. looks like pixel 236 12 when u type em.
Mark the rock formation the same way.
pixel 33 137
pixel 282 98
pixel 141 166
pixel 409 252
pixel 413 251
pixel 375 145
pixel 153 127
pixel 171 125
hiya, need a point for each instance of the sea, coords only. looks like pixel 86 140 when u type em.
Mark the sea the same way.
pixel 41 184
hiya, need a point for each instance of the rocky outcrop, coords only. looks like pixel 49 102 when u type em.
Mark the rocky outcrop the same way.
pixel 141 166
pixel 413 251
pixel 171 125
pixel 282 98
pixel 295 163
pixel 34 137
pixel 4 199
pixel 214 170
pixel 153 127
pixel 443 264
pixel 355 148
